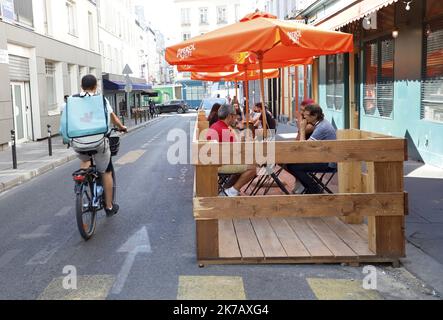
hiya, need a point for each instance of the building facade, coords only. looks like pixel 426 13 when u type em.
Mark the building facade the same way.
pixel 127 39
pixel 393 81
pixel 46 46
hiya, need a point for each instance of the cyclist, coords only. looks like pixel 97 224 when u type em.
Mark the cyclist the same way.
pixel 102 158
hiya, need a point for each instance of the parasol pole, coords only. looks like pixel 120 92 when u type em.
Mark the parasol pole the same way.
pixel 262 93
pixel 247 96
pixel 236 89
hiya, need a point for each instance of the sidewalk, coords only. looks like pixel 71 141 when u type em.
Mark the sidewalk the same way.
pixel 424 224
pixel 33 158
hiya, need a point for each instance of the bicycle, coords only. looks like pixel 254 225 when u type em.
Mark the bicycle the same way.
pixel 90 195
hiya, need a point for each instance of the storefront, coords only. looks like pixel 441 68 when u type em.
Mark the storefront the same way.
pixel 393 82
pixel 114 91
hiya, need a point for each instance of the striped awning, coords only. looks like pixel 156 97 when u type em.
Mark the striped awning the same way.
pixel 353 13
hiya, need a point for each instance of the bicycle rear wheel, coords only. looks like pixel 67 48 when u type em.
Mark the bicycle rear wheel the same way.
pixel 85 213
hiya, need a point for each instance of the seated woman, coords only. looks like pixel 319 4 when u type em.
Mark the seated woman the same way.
pixel 213 115
pixel 323 130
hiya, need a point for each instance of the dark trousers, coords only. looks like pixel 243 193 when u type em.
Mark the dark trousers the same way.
pixel 300 172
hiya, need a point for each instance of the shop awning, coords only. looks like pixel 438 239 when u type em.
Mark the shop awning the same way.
pixel 356 12
pixel 120 86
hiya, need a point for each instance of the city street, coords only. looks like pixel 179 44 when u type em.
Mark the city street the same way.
pixel 147 251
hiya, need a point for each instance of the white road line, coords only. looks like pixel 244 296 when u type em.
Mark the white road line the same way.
pixel 43 256
pixel 8 256
pixel 63 212
pixel 40 232
pixel 138 243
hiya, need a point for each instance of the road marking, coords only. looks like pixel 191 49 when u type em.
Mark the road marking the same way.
pixel 210 288
pixel 40 232
pixel 8 256
pixel 138 243
pixel 341 289
pixel 63 212
pixel 43 256
pixel 95 287
pixel 131 157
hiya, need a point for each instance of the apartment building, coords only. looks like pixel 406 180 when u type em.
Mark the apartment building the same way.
pixel 45 48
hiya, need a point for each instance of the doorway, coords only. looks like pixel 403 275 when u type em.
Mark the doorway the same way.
pixel 21 111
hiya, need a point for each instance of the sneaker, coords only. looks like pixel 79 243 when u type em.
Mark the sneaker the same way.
pixel 231 192
pixel 298 188
pixel 113 211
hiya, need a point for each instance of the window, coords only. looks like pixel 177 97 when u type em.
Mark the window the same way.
pixel 23 12
pixel 50 86
pixel 186 16
pixel 221 15
pixel 335 88
pixel 72 18
pixel 237 12
pixel 91 31
pixel 186 36
pixel 203 15
pixel 378 99
pixel 432 78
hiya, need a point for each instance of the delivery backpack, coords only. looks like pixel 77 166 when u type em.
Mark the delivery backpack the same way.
pixel 85 122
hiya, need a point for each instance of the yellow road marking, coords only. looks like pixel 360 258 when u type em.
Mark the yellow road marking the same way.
pixel 130 157
pixel 210 288
pixel 88 288
pixel 339 289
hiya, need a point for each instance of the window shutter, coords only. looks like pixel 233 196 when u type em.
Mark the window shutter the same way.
pixel 432 83
pixel 330 81
pixel 370 83
pixel 385 83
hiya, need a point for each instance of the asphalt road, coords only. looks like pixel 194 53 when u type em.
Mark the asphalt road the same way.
pixel 147 251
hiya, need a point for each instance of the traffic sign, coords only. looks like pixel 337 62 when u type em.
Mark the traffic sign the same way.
pixel 127 70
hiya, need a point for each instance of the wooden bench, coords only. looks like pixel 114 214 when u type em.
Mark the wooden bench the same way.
pixel 306 228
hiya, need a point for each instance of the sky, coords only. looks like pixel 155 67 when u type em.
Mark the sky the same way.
pixel 161 14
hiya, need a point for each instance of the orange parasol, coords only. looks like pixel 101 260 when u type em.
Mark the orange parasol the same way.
pixel 234 76
pixel 206 68
pixel 259 39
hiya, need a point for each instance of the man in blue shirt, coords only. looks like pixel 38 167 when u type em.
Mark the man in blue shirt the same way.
pixel 323 130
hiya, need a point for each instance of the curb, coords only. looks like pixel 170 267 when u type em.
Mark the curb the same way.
pixel 424 267
pixel 31 174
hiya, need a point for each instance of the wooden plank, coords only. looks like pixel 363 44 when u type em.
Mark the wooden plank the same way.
pixel 206 230
pixel 349 236
pixel 302 260
pixel 247 240
pixel 361 230
pixel 349 175
pixel 267 238
pixel 339 205
pixel 308 237
pixel 386 234
pixel 228 245
pixel 375 150
pixel 289 240
pixel 329 238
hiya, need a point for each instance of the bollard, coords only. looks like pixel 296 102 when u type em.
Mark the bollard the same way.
pixel 49 140
pixel 144 114
pixel 135 116
pixel 123 120
pixel 14 150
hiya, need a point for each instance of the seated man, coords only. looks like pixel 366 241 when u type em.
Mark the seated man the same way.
pixel 323 130
pixel 270 121
pixel 222 132
pixel 309 127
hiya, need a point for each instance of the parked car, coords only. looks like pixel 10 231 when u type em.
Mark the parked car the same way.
pixel 178 106
pixel 208 103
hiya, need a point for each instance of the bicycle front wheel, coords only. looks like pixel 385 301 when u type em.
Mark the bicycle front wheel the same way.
pixel 86 214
